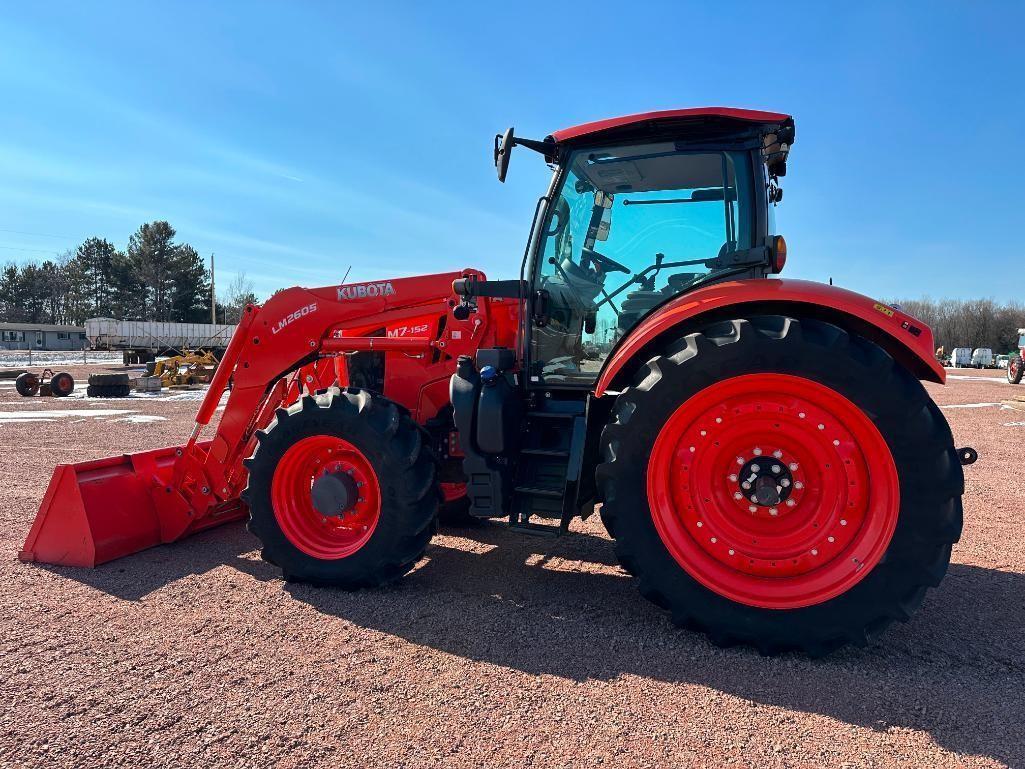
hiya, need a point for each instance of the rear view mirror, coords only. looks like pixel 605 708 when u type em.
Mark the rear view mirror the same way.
pixel 602 199
pixel 503 146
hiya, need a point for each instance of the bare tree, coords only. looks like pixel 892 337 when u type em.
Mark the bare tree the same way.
pixel 239 293
pixel 969 322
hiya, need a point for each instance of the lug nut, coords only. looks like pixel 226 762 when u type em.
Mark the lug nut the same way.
pixel 752 508
pixel 778 454
pixel 790 503
pixel 785 482
pixel 798 485
pixel 756 469
pixel 738 495
pixel 758 452
pixel 776 468
pixel 793 465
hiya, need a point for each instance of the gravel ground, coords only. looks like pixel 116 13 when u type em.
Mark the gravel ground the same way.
pixel 499 650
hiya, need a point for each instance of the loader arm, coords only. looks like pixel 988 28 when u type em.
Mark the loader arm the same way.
pixel 100 510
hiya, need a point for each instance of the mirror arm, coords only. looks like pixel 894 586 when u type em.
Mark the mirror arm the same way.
pixel 547 148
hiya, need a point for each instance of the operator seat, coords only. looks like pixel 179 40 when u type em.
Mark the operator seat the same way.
pixel 639 303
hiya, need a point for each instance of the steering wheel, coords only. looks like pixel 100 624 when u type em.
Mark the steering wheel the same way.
pixel 607 264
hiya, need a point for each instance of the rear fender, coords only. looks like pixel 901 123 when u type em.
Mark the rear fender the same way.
pixel 907 339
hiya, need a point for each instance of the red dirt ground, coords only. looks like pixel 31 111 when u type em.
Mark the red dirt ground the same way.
pixel 499 650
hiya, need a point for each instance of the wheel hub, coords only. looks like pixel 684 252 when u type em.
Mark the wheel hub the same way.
pixel 334 493
pixel 766 481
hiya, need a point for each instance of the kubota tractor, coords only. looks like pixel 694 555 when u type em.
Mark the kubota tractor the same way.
pixel 762 450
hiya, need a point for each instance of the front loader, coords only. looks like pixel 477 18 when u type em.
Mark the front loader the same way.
pixel 761 449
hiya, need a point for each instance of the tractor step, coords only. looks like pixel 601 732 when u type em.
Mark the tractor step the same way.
pixel 537 529
pixel 539 491
pixel 558 453
pixel 550 415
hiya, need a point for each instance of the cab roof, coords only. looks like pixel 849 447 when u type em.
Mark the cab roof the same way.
pixel 699 116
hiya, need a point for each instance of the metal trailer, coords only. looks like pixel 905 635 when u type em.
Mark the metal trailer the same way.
pixel 142 341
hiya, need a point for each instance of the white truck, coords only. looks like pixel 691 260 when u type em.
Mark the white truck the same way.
pixel 142 341
pixel 982 357
pixel 960 357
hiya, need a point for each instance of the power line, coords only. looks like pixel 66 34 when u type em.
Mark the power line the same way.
pixel 37 234
pixel 30 250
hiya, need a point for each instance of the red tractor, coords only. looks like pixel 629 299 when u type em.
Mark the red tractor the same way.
pixel 1015 367
pixel 762 450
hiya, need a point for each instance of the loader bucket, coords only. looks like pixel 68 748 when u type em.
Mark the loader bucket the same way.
pixel 96 511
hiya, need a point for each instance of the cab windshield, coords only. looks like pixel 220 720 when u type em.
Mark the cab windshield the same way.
pixel 632 227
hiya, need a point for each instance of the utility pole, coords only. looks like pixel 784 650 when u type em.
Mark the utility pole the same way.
pixel 213 293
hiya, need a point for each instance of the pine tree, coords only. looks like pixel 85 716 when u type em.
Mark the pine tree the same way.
pixel 151 251
pixel 11 310
pixel 189 286
pixel 96 259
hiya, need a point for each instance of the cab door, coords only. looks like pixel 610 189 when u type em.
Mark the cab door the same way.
pixel 630 228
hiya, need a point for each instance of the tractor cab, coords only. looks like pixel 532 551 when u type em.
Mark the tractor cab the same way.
pixel 640 210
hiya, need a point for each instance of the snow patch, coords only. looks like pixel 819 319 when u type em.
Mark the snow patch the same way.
pixel 997 380
pixel 54 414
pixel 973 405
pixel 55 358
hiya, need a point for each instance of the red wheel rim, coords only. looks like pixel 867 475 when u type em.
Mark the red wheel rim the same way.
pixel 840 507
pixel 328 537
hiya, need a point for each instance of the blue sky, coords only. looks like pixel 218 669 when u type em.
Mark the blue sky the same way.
pixel 297 139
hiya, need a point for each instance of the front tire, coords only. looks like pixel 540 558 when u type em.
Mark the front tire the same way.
pixel 385 527
pixel 27 384
pixel 853 496
pixel 1015 369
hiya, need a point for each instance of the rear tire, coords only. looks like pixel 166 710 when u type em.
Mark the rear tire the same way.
pixel 62 384
pixel 385 448
pixel 109 380
pixel 108 391
pixel 883 400
pixel 1015 369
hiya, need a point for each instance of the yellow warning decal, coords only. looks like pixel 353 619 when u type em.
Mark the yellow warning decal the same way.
pixel 883 309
